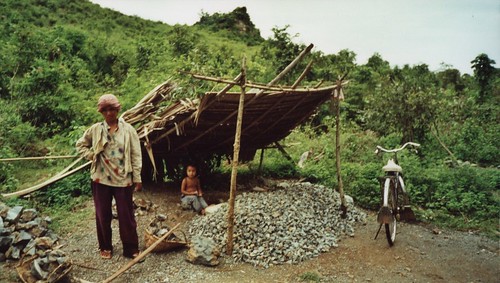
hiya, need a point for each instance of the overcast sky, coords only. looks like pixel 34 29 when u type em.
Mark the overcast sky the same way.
pixel 411 32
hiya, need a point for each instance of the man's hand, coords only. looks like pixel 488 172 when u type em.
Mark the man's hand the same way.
pixel 138 187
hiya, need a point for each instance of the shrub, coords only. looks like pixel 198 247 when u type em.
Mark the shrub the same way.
pixel 361 182
pixel 64 191
pixel 7 179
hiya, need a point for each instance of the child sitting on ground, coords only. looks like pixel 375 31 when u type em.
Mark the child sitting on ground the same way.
pixel 191 194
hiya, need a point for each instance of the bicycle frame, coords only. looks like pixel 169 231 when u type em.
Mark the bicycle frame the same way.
pixel 392 186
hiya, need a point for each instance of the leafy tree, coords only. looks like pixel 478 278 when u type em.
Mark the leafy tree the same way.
pixel 451 79
pixel 483 72
pixel 143 57
pixel 407 103
pixel 182 40
pixel 40 97
pixel 281 51
pixel 363 80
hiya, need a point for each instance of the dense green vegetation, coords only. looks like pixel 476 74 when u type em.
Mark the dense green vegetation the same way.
pixel 57 57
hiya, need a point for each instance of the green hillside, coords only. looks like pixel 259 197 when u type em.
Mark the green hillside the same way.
pixel 57 57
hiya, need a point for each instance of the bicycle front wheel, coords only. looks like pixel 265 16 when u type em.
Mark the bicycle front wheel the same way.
pixel 390 228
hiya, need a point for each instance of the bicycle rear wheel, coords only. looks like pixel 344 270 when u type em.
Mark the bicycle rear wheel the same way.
pixel 390 228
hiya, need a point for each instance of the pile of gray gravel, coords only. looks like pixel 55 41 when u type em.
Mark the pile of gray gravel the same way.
pixel 288 224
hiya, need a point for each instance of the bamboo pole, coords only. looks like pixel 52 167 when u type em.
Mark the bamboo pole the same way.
pixel 140 256
pixel 38 158
pixel 303 75
pixel 290 66
pixel 283 151
pixel 261 160
pixel 236 157
pixel 292 88
pixel 46 183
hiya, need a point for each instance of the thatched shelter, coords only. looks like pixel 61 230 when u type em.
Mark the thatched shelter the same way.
pixel 206 126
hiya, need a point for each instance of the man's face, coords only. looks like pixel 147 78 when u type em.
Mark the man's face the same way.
pixel 110 114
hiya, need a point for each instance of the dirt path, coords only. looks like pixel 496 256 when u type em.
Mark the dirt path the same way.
pixel 421 254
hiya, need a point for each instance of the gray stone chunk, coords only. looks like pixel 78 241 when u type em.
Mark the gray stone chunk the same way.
pixel 203 251
pixel 5 231
pixel 3 210
pixel 14 252
pixel 28 215
pixel 37 269
pixel 5 242
pixel 13 214
pixel 23 238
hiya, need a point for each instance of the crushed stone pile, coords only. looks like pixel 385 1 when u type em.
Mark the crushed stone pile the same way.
pixel 288 224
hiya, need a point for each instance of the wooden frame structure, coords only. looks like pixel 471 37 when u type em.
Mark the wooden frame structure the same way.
pixel 206 126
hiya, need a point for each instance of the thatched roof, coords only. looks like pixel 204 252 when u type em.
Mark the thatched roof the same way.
pixel 208 125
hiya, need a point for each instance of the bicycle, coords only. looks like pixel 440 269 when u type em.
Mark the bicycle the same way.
pixel 395 201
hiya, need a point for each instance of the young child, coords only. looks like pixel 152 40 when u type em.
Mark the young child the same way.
pixel 191 194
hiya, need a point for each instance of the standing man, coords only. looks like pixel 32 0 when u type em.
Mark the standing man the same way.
pixel 113 147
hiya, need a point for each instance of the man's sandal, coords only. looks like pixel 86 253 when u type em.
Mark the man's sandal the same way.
pixel 106 254
pixel 133 256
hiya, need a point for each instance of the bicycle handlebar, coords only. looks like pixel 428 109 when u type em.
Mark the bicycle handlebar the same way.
pixel 396 149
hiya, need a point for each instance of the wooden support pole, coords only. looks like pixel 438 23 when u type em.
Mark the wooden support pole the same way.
pixel 38 158
pixel 290 66
pixel 236 157
pixel 283 151
pixel 303 75
pixel 261 160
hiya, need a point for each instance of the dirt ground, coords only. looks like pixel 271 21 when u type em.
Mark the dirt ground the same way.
pixel 422 253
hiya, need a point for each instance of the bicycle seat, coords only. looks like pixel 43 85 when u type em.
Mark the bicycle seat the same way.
pixel 392 167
